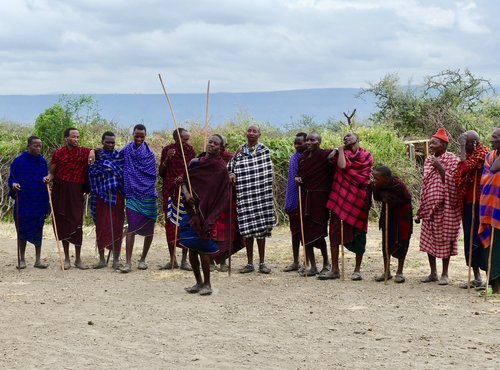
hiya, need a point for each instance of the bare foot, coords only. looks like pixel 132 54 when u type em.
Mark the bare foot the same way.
pixel 67 265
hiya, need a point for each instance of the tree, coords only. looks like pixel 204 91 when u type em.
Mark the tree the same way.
pixel 452 99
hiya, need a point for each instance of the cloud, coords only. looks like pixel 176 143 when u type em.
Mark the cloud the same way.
pixel 49 46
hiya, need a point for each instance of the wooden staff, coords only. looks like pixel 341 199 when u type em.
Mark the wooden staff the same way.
pixel 471 236
pixel 18 229
pixel 230 226
pixel 386 232
pixel 178 132
pixel 342 244
pixel 174 256
pixel 489 263
pixel 206 116
pixel 302 231
pixel 112 231
pixel 55 227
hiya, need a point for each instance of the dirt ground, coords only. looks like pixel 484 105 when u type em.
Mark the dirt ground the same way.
pixel 105 319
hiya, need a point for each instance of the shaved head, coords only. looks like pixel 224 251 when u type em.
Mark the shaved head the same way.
pixel 472 135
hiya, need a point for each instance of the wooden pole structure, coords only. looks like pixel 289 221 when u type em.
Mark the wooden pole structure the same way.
pixel 489 263
pixel 206 116
pixel 18 229
pixel 301 218
pixel 342 246
pixel 386 233
pixel 178 133
pixel 471 236
pixel 55 227
pixel 174 256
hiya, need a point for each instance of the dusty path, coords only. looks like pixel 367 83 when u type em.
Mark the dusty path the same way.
pixel 103 319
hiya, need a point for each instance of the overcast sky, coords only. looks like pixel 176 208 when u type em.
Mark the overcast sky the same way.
pixel 120 46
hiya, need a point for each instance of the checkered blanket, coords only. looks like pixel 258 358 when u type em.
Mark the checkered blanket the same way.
pixel 439 208
pixel 254 190
pixel 350 196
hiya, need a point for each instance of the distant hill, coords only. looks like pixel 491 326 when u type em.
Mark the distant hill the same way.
pixel 277 107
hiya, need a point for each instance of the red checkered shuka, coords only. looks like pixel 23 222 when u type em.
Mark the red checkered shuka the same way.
pixel 71 165
pixel 350 196
pixel 175 167
pixel 439 208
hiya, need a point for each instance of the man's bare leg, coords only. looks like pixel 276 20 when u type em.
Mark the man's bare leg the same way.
pixel 22 254
pixel 311 258
pixel 184 264
pixel 78 259
pixel 295 250
pixel 195 263
pixel 433 275
pixel 67 261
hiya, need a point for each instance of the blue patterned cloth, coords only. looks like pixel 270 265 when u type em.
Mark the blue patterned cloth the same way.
pixel 292 191
pixel 32 200
pixel 105 178
pixel 139 171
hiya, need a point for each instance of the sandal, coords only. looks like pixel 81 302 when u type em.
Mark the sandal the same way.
pixel 248 268
pixel 429 279
pixel 40 265
pixel 380 278
pixel 399 278
pixel 443 280
pixel 263 269
pixel 292 267
pixel 206 290
pixel 356 276
pixel 125 269
pixel 193 289
pixel 309 272
pixel 330 275
pixel 473 284
pixel 81 266
pixel 224 268
pixel 142 265
pixel 325 269
pixel 187 267
pixel 168 266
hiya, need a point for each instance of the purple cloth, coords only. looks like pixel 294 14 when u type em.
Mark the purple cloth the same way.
pixel 139 171
pixel 292 191
pixel 139 224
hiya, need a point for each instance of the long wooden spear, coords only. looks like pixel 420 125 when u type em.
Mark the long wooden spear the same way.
pixel 488 273
pixel 302 231
pixel 178 132
pixel 206 116
pixel 471 236
pixel 173 259
pixel 55 227
pixel 342 244
pixel 18 231
pixel 386 231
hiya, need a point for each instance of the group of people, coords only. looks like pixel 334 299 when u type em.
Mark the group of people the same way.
pixel 219 202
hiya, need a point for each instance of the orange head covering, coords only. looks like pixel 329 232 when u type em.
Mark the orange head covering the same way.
pixel 441 134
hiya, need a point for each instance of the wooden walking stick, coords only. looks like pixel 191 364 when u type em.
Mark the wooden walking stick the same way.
pixel 471 236
pixel 55 227
pixel 178 134
pixel 230 226
pixel 206 116
pixel 18 230
pixel 342 244
pixel 489 263
pixel 174 256
pixel 302 232
pixel 386 232
pixel 112 230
